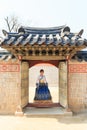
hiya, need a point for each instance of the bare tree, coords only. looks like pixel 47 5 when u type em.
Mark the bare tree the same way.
pixel 12 23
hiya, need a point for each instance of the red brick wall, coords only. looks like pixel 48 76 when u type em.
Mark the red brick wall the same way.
pixel 77 77
pixel 10 86
pixel 10 89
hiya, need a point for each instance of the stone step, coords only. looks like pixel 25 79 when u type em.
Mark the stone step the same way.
pixel 54 111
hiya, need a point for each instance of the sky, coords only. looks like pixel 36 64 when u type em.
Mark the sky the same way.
pixel 46 13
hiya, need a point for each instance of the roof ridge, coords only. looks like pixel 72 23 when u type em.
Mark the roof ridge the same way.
pixel 43 28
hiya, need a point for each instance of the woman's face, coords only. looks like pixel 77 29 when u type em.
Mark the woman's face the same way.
pixel 41 73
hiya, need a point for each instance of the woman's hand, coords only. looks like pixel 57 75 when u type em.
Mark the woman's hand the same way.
pixel 46 83
pixel 36 84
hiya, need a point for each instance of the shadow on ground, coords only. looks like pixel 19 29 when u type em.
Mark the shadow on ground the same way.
pixel 75 119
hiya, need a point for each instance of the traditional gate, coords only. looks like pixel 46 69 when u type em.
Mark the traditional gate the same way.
pixel 43 44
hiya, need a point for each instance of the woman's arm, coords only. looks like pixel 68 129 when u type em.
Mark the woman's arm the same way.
pixel 37 80
pixel 45 79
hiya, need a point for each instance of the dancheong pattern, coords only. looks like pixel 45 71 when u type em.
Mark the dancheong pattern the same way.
pixel 78 68
pixel 9 68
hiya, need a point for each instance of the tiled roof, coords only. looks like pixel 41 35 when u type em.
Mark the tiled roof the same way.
pixel 6 56
pixel 80 56
pixel 57 36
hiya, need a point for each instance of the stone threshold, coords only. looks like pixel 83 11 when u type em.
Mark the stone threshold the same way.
pixel 43 104
pixel 54 111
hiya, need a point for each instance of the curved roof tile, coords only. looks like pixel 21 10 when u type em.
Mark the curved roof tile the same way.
pixel 56 35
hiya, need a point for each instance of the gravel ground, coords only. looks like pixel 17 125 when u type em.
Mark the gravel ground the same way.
pixel 77 122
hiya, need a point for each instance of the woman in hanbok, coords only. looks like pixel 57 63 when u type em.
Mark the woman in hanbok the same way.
pixel 42 91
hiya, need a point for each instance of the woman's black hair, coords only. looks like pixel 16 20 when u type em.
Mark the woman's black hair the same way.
pixel 41 70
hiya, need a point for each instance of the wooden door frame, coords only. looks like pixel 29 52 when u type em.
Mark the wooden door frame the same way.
pixel 57 104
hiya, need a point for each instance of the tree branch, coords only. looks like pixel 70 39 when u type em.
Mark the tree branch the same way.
pixel 12 24
pixel 8 25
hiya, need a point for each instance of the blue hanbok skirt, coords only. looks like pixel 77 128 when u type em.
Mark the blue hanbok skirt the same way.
pixel 42 92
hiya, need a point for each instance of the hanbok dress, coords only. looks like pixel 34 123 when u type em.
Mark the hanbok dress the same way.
pixel 42 91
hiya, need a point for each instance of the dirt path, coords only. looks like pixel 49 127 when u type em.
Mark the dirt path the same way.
pixel 78 122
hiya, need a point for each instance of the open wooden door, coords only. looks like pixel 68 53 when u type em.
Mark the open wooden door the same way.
pixel 63 83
